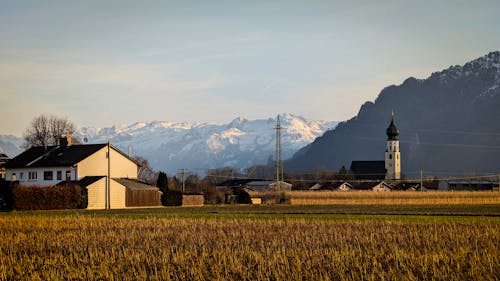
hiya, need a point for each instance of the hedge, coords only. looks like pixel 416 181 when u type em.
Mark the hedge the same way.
pixel 172 198
pixel 67 196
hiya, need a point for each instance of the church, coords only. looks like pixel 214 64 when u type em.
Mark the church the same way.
pixel 388 169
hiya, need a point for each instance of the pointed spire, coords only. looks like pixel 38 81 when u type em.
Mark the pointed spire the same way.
pixel 392 131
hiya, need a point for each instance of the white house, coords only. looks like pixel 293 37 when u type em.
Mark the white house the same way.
pixel 101 168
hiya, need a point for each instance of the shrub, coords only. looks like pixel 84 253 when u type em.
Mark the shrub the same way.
pixel 68 196
pixel 213 196
pixel 172 198
pixel 6 194
pixel 243 197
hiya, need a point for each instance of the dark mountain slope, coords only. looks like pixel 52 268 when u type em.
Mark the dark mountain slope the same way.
pixel 449 124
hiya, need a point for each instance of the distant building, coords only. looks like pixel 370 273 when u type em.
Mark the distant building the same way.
pixel 253 185
pixel 268 186
pixel 233 183
pixel 336 185
pixel 3 161
pixel 467 185
pixel 373 186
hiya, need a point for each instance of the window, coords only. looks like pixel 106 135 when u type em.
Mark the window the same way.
pixel 390 156
pixel 21 175
pixel 32 176
pixel 48 175
pixel 59 175
pixel 14 177
pixel 68 175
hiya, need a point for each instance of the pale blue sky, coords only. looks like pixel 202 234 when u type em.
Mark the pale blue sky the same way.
pixel 112 62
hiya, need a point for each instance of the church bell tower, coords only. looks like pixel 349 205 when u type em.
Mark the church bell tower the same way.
pixel 392 154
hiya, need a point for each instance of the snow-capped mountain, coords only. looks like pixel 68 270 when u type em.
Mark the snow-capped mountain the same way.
pixel 10 145
pixel 200 146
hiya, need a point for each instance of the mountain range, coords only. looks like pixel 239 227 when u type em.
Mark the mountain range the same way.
pixel 449 124
pixel 200 146
pixel 170 146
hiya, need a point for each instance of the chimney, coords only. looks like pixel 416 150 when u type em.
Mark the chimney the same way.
pixel 65 141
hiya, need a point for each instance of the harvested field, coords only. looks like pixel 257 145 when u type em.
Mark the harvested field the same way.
pixel 383 198
pixel 95 248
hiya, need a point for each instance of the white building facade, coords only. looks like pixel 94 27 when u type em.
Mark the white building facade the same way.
pixel 109 175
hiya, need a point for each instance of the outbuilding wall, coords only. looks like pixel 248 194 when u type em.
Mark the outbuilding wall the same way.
pixel 142 198
pixel 96 195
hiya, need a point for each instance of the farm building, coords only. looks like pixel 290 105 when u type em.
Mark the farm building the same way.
pixel 233 183
pixel 336 185
pixel 467 185
pixel 109 175
pixel 254 185
pixel 268 186
pixel 373 185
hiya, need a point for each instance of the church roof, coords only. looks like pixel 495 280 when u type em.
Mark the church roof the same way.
pixel 392 131
pixel 369 170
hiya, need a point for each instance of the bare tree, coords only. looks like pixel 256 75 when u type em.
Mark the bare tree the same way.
pixel 145 172
pixel 45 130
pixel 222 174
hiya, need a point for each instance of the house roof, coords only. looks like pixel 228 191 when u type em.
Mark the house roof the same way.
pixel 85 181
pixel 369 170
pixel 260 183
pixel 431 184
pixel 3 159
pixel 53 156
pixel 236 182
pixel 366 185
pixel 334 185
pixel 406 185
pixel 135 184
pixel 57 156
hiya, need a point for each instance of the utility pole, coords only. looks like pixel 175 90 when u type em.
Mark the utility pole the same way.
pixel 421 181
pixel 279 164
pixel 183 172
pixel 108 184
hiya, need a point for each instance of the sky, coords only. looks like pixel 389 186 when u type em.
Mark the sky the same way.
pixel 101 63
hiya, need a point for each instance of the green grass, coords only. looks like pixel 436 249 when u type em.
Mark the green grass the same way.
pixel 350 213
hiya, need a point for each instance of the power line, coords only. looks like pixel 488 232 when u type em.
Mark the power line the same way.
pixel 432 131
pixel 424 143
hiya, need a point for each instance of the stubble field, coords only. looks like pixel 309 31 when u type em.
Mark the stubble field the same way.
pixel 289 242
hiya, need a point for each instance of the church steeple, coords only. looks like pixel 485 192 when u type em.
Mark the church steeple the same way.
pixel 392 154
pixel 392 131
